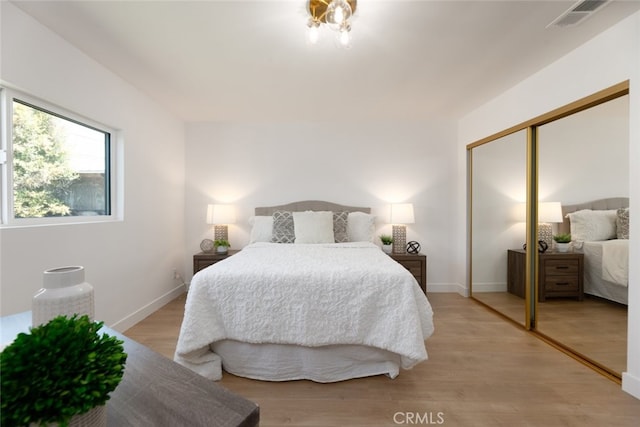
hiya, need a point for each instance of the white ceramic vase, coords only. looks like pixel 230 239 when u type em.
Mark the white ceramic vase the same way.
pixel 64 292
pixel 387 248
pixel 562 247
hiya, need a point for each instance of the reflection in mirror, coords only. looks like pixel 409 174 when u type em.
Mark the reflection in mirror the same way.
pixel 498 193
pixel 583 159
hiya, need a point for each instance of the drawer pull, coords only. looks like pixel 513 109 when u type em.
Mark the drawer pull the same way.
pixel 562 283
pixel 562 267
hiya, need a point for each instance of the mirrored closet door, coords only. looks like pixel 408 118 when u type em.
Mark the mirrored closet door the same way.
pixel 574 159
pixel 498 194
pixel 583 163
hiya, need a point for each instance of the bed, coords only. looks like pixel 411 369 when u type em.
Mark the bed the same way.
pixel 310 297
pixel 600 229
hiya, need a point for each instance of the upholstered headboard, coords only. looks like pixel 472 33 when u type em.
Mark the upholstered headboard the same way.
pixel 309 205
pixel 596 205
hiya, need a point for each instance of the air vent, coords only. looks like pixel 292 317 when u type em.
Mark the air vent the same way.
pixel 578 13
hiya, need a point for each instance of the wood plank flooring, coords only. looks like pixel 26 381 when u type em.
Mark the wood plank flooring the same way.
pixel 482 371
pixel 594 327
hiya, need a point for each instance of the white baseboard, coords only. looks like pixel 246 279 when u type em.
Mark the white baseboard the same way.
pixel 135 317
pixel 631 384
pixel 490 287
pixel 448 288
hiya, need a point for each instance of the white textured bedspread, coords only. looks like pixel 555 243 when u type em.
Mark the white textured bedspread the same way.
pixel 308 295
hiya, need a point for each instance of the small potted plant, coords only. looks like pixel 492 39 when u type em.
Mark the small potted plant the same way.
pixel 61 372
pixel 387 243
pixel 563 241
pixel 222 246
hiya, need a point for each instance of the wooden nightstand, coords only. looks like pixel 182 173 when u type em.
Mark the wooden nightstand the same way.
pixel 559 274
pixel 416 264
pixel 205 259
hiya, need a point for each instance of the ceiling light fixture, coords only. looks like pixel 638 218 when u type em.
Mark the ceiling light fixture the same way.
pixel 335 14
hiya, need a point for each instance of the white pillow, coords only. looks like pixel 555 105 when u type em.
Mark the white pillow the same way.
pixel 261 228
pixel 313 227
pixel 589 225
pixel 360 227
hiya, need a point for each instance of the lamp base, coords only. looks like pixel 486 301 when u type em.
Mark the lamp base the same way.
pixel 221 232
pixel 399 234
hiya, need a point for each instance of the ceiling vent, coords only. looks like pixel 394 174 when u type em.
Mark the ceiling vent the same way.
pixel 578 13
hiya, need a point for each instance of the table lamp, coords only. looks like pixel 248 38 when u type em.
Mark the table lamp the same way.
pixel 401 214
pixel 220 216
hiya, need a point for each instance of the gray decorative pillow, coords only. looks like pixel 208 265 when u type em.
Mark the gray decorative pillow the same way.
pixel 283 231
pixel 340 226
pixel 622 223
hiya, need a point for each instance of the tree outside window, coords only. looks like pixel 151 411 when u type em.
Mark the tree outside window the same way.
pixel 58 165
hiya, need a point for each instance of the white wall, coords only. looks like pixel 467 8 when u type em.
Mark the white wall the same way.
pixel 128 262
pixel 585 156
pixel 358 164
pixel 608 59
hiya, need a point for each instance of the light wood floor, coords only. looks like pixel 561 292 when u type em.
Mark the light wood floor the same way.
pixel 482 371
pixel 594 327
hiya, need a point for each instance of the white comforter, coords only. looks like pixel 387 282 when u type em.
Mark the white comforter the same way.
pixel 307 295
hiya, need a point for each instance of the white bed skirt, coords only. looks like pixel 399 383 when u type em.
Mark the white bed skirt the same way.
pixel 283 362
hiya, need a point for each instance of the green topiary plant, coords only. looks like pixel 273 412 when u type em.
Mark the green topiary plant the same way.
pixel 60 369
pixel 562 238
pixel 221 242
pixel 386 239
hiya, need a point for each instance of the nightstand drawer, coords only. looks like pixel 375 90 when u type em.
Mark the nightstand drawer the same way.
pixel 205 259
pixel 559 274
pixel 414 267
pixel 561 283
pixel 201 264
pixel 561 267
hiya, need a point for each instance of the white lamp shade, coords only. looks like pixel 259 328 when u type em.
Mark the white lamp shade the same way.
pixel 549 212
pixel 402 213
pixel 221 214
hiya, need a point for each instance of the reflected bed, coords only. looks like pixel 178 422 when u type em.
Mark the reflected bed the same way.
pixel 598 230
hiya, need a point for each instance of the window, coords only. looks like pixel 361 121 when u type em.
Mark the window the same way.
pixel 57 167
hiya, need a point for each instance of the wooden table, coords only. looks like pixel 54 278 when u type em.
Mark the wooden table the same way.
pixel 205 259
pixel 155 391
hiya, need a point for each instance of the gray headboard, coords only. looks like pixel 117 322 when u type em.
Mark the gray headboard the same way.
pixel 309 205
pixel 596 205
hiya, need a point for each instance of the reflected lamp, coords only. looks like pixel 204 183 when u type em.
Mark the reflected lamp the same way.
pixel 548 212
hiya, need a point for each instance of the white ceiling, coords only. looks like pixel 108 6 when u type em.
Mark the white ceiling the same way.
pixel 249 61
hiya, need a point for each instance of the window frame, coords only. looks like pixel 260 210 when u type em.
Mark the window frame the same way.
pixel 7 218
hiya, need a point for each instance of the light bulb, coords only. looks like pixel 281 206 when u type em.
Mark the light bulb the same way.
pixel 344 38
pixel 313 31
pixel 338 13
pixel 313 34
